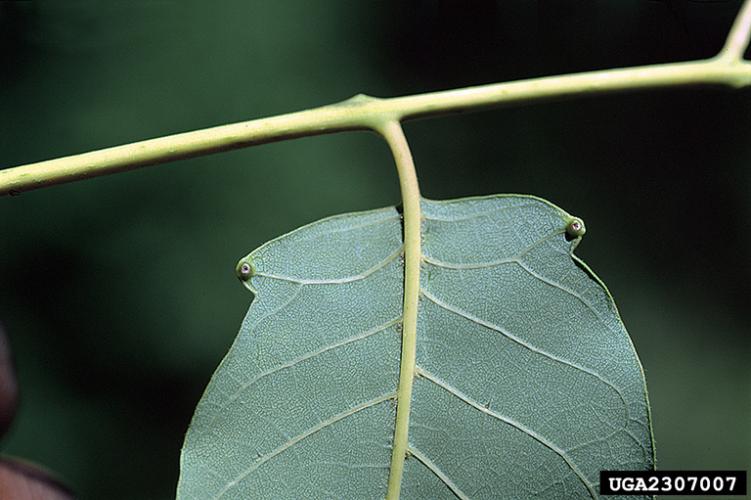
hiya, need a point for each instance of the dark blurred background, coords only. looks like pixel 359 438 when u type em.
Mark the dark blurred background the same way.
pixel 119 295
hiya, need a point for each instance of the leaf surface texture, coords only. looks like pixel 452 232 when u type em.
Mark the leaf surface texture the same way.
pixel 526 385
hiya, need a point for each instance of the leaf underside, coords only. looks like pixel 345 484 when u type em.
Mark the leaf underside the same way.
pixel 527 384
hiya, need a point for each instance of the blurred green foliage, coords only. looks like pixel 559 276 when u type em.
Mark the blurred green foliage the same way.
pixel 118 293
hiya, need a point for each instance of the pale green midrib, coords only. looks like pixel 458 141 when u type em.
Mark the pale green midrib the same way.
pixel 411 220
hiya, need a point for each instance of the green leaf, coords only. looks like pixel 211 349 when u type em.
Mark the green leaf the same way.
pixel 527 383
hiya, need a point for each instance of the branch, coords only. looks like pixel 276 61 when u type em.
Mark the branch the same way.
pixel 363 113
pixel 738 38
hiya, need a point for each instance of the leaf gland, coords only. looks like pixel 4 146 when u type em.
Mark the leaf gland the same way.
pixel 245 270
pixel 575 228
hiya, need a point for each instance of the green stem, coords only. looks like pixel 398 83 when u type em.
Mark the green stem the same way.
pixel 392 132
pixel 363 112
pixel 738 37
